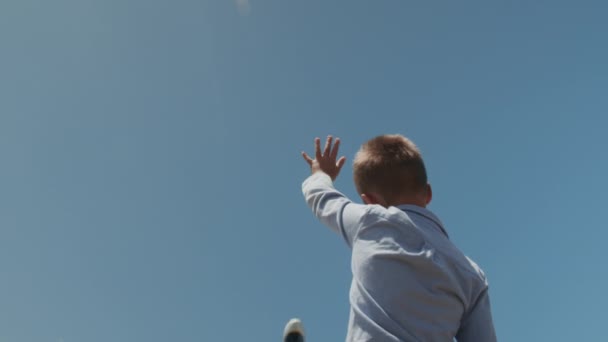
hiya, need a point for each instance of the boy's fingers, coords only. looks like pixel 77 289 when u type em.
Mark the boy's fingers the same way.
pixel 318 148
pixel 327 146
pixel 307 158
pixel 334 151
pixel 341 162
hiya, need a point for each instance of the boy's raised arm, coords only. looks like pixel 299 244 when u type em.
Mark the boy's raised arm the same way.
pixel 330 206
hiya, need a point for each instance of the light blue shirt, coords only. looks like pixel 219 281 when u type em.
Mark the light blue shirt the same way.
pixel 410 283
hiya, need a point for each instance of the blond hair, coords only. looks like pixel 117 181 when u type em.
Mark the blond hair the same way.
pixel 390 165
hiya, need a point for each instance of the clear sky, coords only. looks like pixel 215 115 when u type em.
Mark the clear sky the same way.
pixel 151 170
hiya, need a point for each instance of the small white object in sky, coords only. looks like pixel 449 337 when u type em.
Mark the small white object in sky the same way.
pixel 243 7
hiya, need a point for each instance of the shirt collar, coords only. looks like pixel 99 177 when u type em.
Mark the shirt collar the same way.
pixel 409 208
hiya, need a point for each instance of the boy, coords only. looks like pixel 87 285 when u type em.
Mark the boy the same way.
pixel 410 283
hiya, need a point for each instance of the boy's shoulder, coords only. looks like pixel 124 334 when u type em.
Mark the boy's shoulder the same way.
pixel 477 270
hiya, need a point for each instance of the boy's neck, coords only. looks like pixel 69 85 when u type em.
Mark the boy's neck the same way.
pixel 420 199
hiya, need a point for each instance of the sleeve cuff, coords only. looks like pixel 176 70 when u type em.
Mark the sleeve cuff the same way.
pixel 317 177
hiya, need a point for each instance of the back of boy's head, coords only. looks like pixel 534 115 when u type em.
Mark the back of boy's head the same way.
pixel 389 165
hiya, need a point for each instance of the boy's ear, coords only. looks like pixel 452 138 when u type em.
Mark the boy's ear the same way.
pixel 372 198
pixel 366 199
pixel 429 193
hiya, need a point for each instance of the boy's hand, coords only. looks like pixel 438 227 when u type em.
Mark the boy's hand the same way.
pixel 326 162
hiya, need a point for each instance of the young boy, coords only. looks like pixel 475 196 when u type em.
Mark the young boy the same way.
pixel 410 283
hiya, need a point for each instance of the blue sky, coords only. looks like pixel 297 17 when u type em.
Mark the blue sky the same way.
pixel 150 184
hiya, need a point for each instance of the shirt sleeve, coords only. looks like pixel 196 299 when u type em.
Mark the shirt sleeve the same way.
pixel 477 324
pixel 331 207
